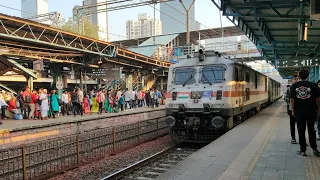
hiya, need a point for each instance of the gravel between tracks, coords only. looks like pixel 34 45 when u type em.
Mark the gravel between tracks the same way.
pixel 110 164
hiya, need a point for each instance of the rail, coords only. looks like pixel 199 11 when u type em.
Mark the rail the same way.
pixel 122 172
pixel 43 159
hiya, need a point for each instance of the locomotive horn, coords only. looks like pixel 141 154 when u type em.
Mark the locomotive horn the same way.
pixel 201 55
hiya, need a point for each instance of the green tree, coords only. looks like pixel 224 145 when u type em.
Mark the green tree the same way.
pixel 83 27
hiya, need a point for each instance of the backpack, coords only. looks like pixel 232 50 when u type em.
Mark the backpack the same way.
pixel 75 98
pixel 39 101
pixel 28 98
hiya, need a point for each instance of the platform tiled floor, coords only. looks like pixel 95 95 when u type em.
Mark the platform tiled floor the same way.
pixel 21 124
pixel 258 149
pixel 279 160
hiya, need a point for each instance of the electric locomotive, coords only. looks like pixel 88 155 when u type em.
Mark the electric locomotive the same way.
pixel 208 94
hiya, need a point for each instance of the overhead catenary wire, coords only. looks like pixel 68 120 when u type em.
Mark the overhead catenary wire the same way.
pixel 194 19
pixel 185 24
pixel 222 32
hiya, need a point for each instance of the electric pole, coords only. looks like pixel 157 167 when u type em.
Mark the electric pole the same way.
pixel 188 19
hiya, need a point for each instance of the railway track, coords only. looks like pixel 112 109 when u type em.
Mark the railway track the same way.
pixel 46 158
pixel 154 165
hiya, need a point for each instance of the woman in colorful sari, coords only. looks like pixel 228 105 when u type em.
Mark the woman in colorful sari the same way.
pixel 86 105
pixel 54 103
pixel 107 104
pixel 95 105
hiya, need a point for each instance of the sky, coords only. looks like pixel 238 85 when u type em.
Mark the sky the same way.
pixel 206 13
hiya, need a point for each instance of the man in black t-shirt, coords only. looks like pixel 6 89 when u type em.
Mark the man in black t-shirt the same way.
pixel 304 101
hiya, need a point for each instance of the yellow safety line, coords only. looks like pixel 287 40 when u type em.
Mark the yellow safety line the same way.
pixel 253 161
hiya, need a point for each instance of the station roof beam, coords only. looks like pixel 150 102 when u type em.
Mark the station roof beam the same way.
pixel 281 30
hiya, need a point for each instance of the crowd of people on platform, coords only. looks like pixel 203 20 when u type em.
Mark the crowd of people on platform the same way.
pixel 41 104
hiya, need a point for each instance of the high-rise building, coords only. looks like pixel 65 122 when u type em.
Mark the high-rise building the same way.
pixel 32 8
pixel 100 19
pixel 145 26
pixel 178 24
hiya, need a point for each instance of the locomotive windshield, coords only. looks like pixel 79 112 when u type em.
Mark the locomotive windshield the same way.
pixel 212 74
pixel 184 76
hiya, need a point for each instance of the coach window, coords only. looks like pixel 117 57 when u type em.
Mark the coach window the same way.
pixel 256 80
pixel 265 84
pixel 184 75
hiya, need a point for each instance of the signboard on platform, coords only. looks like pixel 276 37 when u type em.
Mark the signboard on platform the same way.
pixel 298 63
pixel 106 73
pixel 65 69
pixel 38 65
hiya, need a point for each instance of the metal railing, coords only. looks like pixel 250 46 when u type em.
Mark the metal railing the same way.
pixel 39 160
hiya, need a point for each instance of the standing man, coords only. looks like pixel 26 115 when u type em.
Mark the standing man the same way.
pixel 80 97
pixel 32 104
pixel 26 100
pixel 304 101
pixel 289 109
pixel 127 97
pixel 75 102
pixel 65 101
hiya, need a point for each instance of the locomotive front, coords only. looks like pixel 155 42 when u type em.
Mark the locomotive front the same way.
pixel 196 109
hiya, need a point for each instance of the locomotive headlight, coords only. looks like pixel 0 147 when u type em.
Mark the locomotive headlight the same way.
pixel 170 121
pixel 174 96
pixel 217 122
pixel 196 95
pixel 219 95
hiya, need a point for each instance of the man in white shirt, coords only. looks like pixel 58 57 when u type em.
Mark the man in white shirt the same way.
pixel 127 96
pixel 65 100
pixel 133 98
pixel 119 94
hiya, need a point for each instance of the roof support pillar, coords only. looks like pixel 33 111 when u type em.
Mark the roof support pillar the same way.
pixel 30 82
pixel 275 56
pixel 301 24
pixel 81 81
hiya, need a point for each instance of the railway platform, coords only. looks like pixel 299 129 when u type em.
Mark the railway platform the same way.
pixel 258 149
pixel 13 132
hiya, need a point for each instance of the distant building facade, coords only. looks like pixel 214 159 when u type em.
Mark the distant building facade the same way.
pixel 99 19
pixel 172 8
pixel 145 26
pixel 32 8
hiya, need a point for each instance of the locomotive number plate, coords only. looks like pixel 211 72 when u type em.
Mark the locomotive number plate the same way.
pixel 173 105
pixel 219 105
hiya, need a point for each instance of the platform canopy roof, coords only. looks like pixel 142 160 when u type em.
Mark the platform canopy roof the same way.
pixel 282 30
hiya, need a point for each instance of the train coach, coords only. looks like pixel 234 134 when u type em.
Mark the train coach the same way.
pixel 208 94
